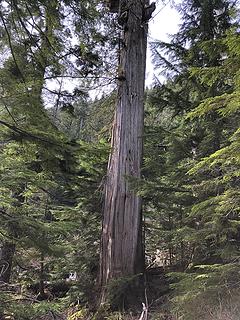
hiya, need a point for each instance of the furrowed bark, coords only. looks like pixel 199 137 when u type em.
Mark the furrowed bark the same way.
pixel 121 243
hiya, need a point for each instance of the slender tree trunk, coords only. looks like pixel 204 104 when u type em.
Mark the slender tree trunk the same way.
pixel 121 243
pixel 41 295
pixel 7 251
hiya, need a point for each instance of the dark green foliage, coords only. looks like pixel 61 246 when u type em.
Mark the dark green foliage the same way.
pixel 51 182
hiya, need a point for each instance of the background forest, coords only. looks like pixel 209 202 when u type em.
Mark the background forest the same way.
pixel 54 149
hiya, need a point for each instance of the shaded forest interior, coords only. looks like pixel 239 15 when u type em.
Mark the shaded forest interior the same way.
pixel 103 216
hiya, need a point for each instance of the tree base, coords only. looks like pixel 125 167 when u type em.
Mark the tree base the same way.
pixel 125 293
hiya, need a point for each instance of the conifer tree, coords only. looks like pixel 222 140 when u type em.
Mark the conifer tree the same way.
pixel 38 163
pixel 198 43
pixel 198 76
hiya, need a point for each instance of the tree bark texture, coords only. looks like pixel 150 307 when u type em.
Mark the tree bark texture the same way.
pixel 121 243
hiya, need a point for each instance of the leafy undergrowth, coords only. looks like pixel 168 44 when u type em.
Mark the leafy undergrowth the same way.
pixel 200 310
pixel 171 296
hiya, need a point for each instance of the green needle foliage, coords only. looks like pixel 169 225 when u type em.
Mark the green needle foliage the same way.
pixel 51 182
pixel 191 172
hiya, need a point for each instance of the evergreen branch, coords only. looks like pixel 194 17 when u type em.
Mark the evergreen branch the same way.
pixel 9 112
pixel 168 64
pixel 28 33
pixel 35 26
pixel 5 213
pixel 27 134
pixel 7 236
pixel 11 49
pixel 172 189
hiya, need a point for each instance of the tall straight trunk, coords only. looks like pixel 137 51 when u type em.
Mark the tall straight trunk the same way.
pixel 121 243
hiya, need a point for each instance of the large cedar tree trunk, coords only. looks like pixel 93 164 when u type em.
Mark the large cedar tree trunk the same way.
pixel 121 243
